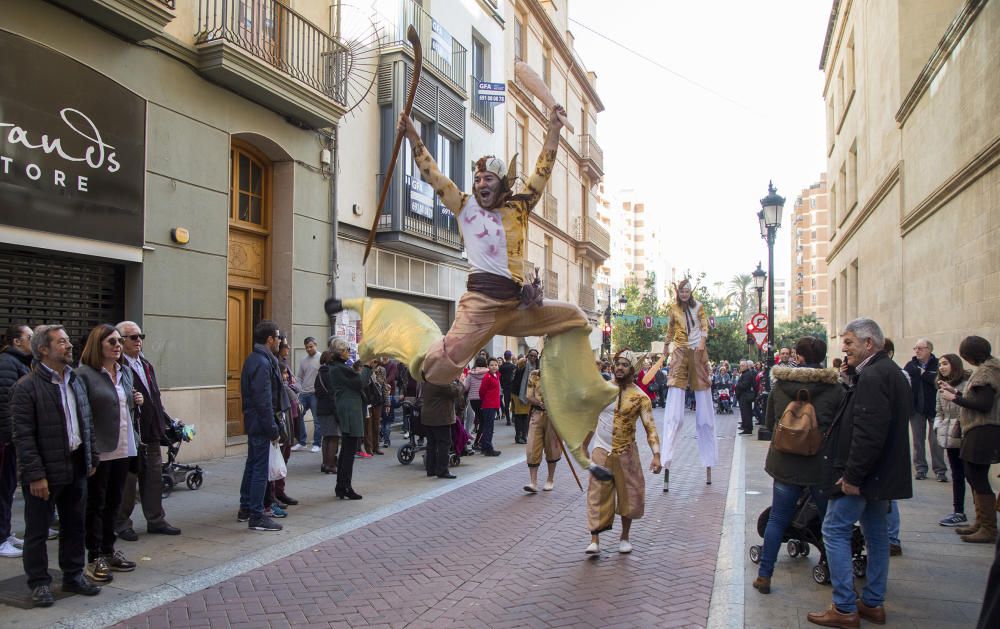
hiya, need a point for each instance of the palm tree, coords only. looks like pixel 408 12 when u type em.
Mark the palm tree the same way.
pixel 739 295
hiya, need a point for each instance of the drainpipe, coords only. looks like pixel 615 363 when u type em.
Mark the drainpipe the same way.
pixel 332 144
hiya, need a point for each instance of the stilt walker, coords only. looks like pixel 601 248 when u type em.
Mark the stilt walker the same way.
pixel 499 299
pixel 687 333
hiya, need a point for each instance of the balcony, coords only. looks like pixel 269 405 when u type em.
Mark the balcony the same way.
pixel 481 112
pixel 551 284
pixel 592 239
pixel 274 56
pixel 593 158
pixel 550 208
pixel 136 20
pixel 421 225
pixel 586 298
pixel 443 55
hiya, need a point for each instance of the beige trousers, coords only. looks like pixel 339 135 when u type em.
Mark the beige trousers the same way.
pixel 624 494
pixel 689 368
pixel 542 436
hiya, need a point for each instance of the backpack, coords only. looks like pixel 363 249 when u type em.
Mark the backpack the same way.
pixel 797 431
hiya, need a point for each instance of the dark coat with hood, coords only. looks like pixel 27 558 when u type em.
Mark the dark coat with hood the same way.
pixel 924 385
pixel 869 445
pixel 13 366
pixel 261 392
pixel 825 393
pixel 40 437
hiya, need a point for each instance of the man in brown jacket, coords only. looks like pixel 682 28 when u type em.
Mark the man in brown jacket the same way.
pixel 437 416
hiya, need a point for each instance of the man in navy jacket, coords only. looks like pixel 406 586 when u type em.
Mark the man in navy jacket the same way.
pixel 260 391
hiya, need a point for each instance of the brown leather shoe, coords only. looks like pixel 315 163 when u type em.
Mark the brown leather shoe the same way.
pixel 762 585
pixel 871 614
pixel 834 618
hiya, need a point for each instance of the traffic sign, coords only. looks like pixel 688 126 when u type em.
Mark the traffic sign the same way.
pixel 759 321
pixel 760 338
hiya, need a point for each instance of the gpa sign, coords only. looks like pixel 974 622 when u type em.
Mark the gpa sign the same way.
pixel 491 92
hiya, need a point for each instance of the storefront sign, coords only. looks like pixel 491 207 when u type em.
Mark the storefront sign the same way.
pixel 72 147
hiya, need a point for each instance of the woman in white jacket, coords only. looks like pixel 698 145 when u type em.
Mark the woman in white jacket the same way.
pixel 949 433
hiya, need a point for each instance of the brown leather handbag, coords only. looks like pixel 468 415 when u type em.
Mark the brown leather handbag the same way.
pixel 798 431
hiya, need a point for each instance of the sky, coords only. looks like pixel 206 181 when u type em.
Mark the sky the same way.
pixel 739 104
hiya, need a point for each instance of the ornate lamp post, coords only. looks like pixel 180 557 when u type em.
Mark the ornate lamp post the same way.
pixel 759 278
pixel 769 218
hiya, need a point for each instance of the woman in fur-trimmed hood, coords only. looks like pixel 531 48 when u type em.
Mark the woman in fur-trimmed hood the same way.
pixel 793 473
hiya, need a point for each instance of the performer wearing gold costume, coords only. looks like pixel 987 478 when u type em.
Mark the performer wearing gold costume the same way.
pixel 687 333
pixel 615 447
pixel 499 300
pixel 542 437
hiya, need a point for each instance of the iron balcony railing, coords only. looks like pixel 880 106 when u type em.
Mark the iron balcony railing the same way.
pixel 440 227
pixel 586 298
pixel 483 112
pixel 591 150
pixel 440 50
pixel 280 37
pixel 551 284
pixel 550 208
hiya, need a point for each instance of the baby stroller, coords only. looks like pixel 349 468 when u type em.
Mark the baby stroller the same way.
pixel 760 407
pixel 723 401
pixel 408 451
pixel 173 472
pixel 804 530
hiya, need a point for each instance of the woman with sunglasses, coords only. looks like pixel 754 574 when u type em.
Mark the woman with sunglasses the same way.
pixel 114 405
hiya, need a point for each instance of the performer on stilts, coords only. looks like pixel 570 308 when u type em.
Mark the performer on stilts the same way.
pixel 615 447
pixel 687 333
pixel 499 299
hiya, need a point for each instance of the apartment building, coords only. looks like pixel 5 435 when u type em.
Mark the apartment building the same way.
pixel 810 225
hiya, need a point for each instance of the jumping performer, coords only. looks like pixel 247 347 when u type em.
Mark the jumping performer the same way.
pixel 500 300
pixel 687 332
pixel 542 437
pixel 616 448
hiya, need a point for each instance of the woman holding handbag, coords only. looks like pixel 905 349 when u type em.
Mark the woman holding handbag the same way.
pixel 794 473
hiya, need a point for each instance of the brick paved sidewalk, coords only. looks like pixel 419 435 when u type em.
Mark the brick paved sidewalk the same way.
pixel 488 555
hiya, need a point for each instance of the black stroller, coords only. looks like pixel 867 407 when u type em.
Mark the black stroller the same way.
pixel 408 451
pixel 804 530
pixel 172 471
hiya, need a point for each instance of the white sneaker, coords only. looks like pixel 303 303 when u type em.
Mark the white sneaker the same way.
pixel 624 547
pixel 15 540
pixel 53 534
pixel 593 549
pixel 7 549
pixel 314 449
pixel 297 447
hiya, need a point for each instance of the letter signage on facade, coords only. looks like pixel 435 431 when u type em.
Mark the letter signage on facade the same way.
pixel 72 147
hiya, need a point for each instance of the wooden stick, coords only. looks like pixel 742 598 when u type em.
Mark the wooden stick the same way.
pixel 418 62
pixel 569 462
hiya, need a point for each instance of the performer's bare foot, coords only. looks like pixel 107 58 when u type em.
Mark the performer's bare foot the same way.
pixel 548 485
pixel 594 547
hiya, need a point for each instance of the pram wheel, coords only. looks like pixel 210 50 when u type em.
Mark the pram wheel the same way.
pixel 406 453
pixel 860 567
pixel 803 549
pixel 792 547
pixel 168 485
pixel 821 573
pixel 454 460
pixel 194 479
pixel 755 551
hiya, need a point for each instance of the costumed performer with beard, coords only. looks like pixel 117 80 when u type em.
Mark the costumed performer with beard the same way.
pixel 499 300
pixel 687 333
pixel 615 447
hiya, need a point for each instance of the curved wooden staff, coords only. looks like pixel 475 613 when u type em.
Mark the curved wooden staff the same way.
pixel 418 62
pixel 570 463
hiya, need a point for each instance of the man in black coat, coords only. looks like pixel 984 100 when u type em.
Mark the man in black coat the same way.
pixel 922 369
pixel 868 451
pixel 153 421
pixel 745 395
pixel 56 452
pixel 507 369
pixel 15 362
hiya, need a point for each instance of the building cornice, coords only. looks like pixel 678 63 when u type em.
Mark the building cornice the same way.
pixel 952 37
pixel 843 11
pixel 983 162
pixel 881 192
pixel 829 34
pixel 559 43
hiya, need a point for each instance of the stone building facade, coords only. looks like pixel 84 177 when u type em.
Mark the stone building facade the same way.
pixel 913 143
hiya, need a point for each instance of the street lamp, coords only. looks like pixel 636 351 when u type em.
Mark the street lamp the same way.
pixel 770 220
pixel 759 277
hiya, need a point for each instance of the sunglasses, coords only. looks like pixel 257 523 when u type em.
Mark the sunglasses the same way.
pixel 135 337
pixel 114 341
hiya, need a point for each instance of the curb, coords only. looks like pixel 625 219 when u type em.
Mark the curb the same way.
pixel 113 613
pixel 727 608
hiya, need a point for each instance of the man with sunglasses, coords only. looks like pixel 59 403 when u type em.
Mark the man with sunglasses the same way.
pixel 153 420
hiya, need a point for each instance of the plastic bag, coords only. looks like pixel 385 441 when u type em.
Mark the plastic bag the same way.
pixel 276 469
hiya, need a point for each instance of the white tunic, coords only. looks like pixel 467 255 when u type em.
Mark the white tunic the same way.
pixel 485 239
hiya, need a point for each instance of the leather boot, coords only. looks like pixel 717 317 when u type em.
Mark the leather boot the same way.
pixel 987 533
pixel 762 585
pixel 972 528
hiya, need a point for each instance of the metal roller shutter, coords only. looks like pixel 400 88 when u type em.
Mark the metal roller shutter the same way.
pixel 39 288
pixel 437 309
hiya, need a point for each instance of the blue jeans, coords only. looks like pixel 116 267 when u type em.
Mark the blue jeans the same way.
pixel 255 475
pixel 892 522
pixel 783 501
pixel 309 404
pixel 838 527
pixel 486 419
